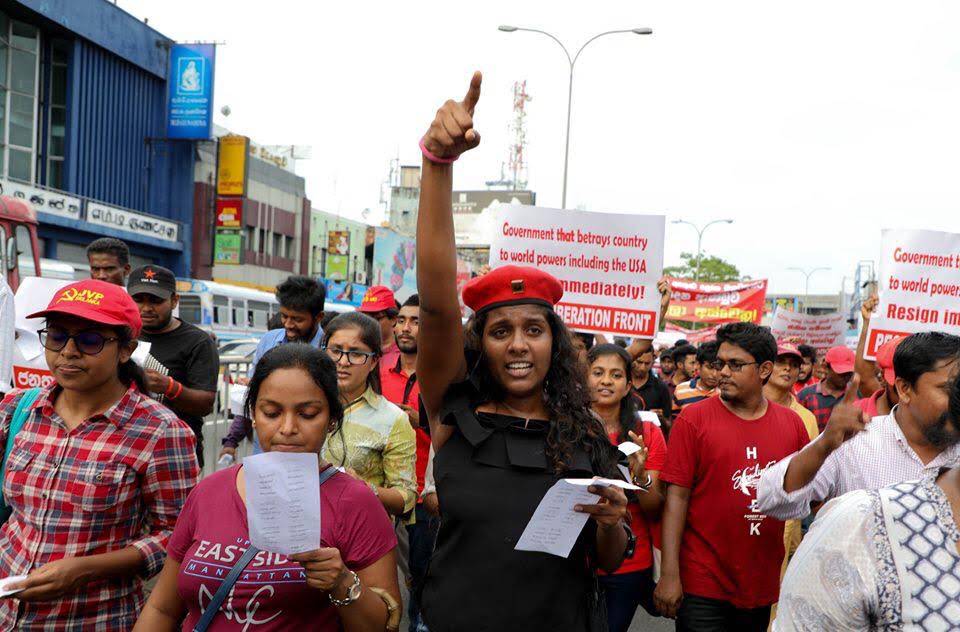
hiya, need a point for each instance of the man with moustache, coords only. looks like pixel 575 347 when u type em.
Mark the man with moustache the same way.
pixel 915 439
pixel 187 383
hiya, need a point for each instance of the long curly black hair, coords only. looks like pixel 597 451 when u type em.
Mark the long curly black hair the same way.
pixel 564 395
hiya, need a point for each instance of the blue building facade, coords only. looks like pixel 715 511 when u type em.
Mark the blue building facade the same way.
pixel 84 86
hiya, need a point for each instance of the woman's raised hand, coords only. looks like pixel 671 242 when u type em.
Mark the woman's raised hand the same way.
pixel 451 132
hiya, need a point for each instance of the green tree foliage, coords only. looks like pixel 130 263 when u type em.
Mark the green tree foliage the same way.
pixel 712 269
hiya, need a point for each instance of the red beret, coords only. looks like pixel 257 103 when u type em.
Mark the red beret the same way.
pixel 512 285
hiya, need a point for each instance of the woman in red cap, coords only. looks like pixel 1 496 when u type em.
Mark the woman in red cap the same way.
pixel 509 415
pixel 96 476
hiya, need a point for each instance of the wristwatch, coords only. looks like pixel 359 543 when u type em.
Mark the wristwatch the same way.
pixel 373 488
pixel 353 593
pixel 631 542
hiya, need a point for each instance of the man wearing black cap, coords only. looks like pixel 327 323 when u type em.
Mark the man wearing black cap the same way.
pixel 184 376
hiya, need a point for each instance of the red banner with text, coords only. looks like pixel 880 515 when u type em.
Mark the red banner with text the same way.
pixel 717 303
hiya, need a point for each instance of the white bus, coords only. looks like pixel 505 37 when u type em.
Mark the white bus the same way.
pixel 231 311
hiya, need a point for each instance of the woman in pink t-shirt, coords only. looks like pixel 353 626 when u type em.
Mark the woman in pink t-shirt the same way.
pixel 608 379
pixel 350 583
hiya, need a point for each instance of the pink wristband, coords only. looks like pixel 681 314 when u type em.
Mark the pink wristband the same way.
pixel 429 156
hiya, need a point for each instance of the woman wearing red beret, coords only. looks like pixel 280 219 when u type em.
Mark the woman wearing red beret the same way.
pixel 509 416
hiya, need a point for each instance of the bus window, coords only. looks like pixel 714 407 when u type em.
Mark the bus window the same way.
pixel 259 314
pixel 190 309
pixel 25 251
pixel 238 307
pixel 221 310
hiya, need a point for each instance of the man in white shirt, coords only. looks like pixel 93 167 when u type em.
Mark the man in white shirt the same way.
pixel 854 453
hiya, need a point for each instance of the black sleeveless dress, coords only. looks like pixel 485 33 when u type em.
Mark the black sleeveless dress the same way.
pixel 491 475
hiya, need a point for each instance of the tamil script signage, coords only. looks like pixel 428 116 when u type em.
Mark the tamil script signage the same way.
pixel 43 200
pixel 190 91
pixel 131 221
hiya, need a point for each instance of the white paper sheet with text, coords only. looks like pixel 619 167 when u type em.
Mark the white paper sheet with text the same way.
pixel 555 526
pixel 283 502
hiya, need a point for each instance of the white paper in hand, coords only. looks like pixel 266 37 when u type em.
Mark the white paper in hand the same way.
pixel 555 526
pixel 601 482
pixel 649 415
pixel 6 581
pixel 283 502
pixel 628 447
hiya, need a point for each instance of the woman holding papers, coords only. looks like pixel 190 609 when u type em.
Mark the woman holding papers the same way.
pixel 608 380
pixel 350 583
pixel 509 417
pixel 94 477
pixel 376 443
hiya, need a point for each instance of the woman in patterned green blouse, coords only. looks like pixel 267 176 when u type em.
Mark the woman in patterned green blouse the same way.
pixel 375 443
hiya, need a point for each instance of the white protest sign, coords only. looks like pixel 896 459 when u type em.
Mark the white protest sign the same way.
pixel 919 286
pixel 29 362
pixel 608 263
pixel 820 331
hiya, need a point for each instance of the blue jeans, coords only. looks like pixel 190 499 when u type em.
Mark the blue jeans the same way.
pixel 624 593
pixel 423 536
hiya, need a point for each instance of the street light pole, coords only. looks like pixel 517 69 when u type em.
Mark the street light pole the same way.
pixel 806 287
pixel 572 62
pixel 700 232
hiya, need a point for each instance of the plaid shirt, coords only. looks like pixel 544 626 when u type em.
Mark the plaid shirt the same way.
pixel 815 399
pixel 117 480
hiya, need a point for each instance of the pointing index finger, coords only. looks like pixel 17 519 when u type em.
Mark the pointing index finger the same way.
pixel 473 93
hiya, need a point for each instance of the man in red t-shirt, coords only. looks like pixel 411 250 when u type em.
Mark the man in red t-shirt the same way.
pixel 721 556
pixel 398 382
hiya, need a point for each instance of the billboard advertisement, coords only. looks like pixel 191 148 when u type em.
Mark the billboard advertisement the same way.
pixel 394 263
pixel 232 165
pixel 190 91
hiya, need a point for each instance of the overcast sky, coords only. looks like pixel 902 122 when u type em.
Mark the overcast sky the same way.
pixel 812 124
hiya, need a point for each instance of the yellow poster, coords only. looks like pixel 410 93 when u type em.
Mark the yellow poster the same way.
pixel 232 165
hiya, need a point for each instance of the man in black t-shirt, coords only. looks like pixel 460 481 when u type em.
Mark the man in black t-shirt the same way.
pixel 651 390
pixel 184 367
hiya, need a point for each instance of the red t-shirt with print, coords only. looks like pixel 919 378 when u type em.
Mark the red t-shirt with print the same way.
pixel 642 529
pixel 271 595
pixel 729 550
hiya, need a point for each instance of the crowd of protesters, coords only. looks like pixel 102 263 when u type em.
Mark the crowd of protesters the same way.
pixel 770 485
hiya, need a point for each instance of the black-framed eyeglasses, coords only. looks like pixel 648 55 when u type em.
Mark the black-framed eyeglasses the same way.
pixel 735 365
pixel 355 358
pixel 87 342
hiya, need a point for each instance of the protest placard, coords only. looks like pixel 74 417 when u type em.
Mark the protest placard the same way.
pixel 919 287
pixel 608 263
pixel 29 362
pixel 717 303
pixel 820 331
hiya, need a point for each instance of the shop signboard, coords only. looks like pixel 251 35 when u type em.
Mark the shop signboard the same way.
pixel 190 91
pixel 226 247
pixel 132 222
pixel 229 212
pixel 232 165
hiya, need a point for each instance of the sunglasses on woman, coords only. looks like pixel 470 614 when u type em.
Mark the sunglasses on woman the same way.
pixel 87 342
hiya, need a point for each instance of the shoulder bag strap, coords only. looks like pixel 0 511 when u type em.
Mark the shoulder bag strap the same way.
pixel 20 416
pixel 214 606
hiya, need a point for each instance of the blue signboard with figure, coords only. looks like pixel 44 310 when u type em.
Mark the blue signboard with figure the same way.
pixel 190 91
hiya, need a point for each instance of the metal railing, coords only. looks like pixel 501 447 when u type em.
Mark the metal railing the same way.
pixel 216 425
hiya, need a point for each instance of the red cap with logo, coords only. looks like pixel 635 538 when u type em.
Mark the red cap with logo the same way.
pixel 377 299
pixel 885 359
pixel 96 301
pixel 841 359
pixel 788 349
pixel 512 285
